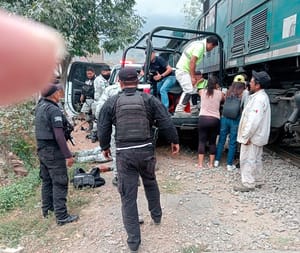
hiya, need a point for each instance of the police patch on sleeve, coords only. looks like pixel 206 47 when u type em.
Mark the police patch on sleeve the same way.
pixel 57 119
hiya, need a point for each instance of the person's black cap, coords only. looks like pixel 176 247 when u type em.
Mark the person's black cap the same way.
pixel 50 89
pixel 262 78
pixel 105 68
pixel 128 74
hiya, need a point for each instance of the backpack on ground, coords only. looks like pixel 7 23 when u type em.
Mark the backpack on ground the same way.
pixel 83 179
pixel 232 107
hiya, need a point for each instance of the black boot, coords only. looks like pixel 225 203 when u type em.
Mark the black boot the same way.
pixel 70 218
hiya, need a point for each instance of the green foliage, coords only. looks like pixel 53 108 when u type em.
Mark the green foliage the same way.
pixel 16 194
pixel 87 26
pixel 11 231
pixel 83 23
pixel 16 130
pixel 192 9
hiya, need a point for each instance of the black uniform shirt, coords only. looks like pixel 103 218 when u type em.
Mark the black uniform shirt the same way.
pixel 49 126
pixel 157 113
pixel 53 114
pixel 158 65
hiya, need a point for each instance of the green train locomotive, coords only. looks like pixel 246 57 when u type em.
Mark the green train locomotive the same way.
pixel 260 35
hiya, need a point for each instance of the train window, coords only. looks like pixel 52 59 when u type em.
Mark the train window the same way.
pixel 210 19
pixel 289 26
pixel 201 24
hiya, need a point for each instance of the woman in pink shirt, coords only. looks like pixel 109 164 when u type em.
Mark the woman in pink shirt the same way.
pixel 209 120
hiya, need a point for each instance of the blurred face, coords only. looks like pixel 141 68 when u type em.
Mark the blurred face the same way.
pixel 105 74
pixel 57 95
pixel 152 56
pixel 254 87
pixel 90 74
pixel 198 77
pixel 209 47
pixel 61 93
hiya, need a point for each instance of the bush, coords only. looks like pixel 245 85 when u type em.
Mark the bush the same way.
pixel 15 194
pixel 17 131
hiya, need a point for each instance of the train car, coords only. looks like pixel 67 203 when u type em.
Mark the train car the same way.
pixel 260 35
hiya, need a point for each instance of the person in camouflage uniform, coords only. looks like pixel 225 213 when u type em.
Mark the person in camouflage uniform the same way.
pixel 101 82
pixel 107 93
pixel 90 155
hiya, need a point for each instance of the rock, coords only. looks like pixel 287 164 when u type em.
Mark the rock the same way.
pixel 12 250
pixel 215 222
pixel 20 171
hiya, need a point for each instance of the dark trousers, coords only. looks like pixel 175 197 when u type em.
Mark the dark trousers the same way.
pixel 130 164
pixel 54 175
pixel 208 129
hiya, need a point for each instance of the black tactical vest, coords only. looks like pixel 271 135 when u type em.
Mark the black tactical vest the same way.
pixel 88 90
pixel 132 123
pixel 43 130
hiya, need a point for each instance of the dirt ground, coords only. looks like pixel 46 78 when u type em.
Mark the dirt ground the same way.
pixel 201 213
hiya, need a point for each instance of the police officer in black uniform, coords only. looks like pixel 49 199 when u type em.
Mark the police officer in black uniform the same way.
pixel 53 153
pixel 134 113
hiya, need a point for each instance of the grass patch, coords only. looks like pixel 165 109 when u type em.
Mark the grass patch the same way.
pixel 23 222
pixel 20 200
pixel 194 249
pixel 16 194
pixel 26 223
pixel 283 241
pixel 171 186
pixel 78 201
pixel 11 232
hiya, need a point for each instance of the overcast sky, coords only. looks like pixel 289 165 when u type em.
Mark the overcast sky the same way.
pixel 156 13
pixel 160 12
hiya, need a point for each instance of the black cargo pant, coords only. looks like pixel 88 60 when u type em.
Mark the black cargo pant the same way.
pixel 54 175
pixel 130 164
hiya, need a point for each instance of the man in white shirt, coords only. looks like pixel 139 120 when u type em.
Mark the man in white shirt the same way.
pixel 253 133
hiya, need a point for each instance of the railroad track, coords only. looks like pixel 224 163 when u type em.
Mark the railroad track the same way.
pixel 290 153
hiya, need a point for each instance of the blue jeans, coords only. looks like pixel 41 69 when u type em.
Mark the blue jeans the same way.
pixel 163 88
pixel 228 126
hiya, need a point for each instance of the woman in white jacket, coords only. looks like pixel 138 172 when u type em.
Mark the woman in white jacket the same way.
pixel 253 132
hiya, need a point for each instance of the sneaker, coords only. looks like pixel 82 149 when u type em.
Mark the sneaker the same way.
pixel 69 219
pixel 231 167
pixel 115 181
pixel 182 114
pixel 216 163
pixel 141 218
pixel 195 113
pixel 243 188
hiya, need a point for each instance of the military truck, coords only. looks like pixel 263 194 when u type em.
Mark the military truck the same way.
pixel 169 42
